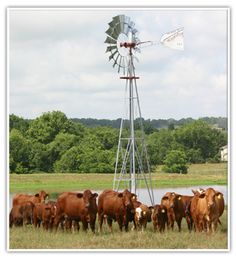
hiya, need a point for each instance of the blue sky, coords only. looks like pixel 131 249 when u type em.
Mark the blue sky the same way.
pixel 57 61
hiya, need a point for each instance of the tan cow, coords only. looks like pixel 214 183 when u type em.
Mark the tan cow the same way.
pixel 205 210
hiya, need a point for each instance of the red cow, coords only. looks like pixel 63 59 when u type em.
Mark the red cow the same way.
pixel 37 198
pixel 77 207
pixel 115 206
pixel 21 214
pixel 45 213
pixel 176 205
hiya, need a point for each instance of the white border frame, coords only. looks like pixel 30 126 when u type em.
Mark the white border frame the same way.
pixel 229 31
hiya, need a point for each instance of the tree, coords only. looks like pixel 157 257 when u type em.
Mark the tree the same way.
pixel 202 137
pixel 19 152
pixel 175 162
pixel 159 144
pixel 45 128
pixel 39 157
pixel 19 123
pixel 61 143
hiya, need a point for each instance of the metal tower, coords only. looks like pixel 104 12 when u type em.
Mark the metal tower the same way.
pixel 132 168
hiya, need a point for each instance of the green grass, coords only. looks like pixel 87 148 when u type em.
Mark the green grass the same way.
pixel 30 238
pixel 199 174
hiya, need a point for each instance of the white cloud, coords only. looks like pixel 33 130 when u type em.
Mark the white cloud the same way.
pixel 58 61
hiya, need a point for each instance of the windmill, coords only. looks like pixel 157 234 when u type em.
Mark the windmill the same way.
pixel 132 168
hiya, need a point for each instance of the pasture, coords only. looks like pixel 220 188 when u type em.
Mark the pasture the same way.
pixel 30 238
pixel 199 174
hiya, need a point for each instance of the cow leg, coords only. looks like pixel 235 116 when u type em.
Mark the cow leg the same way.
pixel 126 225
pixel 68 224
pixel 85 225
pixel 109 222
pixel 179 223
pixel 100 221
pixel 76 225
pixel 92 225
pixel 119 219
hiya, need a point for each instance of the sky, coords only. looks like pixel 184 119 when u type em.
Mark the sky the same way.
pixel 57 61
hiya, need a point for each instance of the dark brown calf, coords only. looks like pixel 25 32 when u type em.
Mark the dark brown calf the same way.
pixel 159 217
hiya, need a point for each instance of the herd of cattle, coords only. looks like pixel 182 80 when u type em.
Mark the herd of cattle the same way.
pixel 202 211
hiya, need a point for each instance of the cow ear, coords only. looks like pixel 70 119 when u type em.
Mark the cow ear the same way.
pixel 120 195
pixel 134 197
pixel 79 195
pixel 165 198
pixel 193 191
pixel 46 196
pixel 36 195
pixel 95 195
pixel 173 194
pixel 219 195
pixel 151 208
pixel 179 197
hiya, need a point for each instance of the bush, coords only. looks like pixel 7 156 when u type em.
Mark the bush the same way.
pixel 175 162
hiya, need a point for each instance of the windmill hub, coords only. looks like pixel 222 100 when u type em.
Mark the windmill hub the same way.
pixel 128 44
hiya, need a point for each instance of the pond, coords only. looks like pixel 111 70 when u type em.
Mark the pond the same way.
pixel 158 193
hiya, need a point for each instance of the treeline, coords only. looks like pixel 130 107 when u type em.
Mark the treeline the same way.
pixel 151 125
pixel 54 143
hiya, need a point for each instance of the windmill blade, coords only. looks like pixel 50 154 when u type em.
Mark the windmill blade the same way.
pixel 127 20
pixel 120 66
pixel 112 55
pixel 112 23
pixel 116 61
pixel 110 48
pixel 113 33
pixel 118 18
pixel 174 39
pixel 110 41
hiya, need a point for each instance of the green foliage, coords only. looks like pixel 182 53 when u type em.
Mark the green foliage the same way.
pixel 54 143
pixel 45 128
pixel 18 123
pixel 19 151
pixel 175 162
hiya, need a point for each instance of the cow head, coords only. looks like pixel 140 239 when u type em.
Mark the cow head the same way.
pixel 210 196
pixel 127 198
pixel 139 214
pixel 88 197
pixel 41 196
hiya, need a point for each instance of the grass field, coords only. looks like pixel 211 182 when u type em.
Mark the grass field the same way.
pixel 30 238
pixel 199 174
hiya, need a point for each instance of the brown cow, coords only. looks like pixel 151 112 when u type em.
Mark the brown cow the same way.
pixel 176 205
pixel 142 215
pixel 159 217
pixel 205 210
pixel 77 207
pixel 37 198
pixel 115 206
pixel 21 214
pixel 220 203
pixel 45 213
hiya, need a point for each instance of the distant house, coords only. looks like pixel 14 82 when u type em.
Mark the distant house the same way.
pixel 224 153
